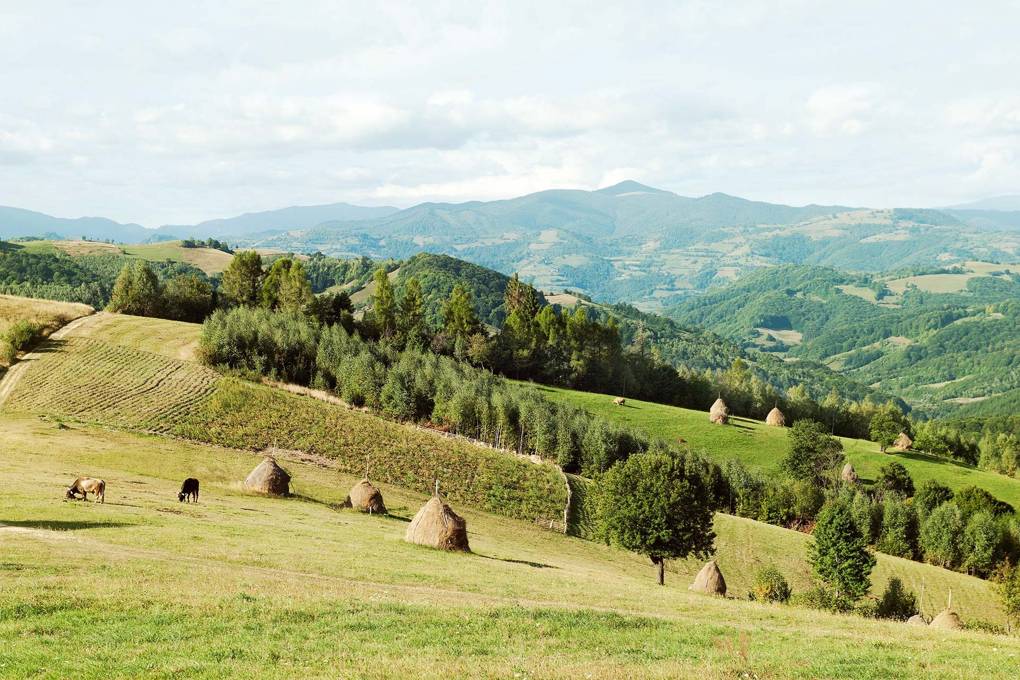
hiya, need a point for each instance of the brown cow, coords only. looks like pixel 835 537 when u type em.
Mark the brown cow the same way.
pixel 86 486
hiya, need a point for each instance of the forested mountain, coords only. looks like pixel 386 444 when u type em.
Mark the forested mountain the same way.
pixel 624 243
pixel 941 339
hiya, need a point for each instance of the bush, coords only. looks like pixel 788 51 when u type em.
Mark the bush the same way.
pixel 893 477
pixel 21 334
pixel 896 602
pixel 929 496
pixel 769 586
pixel 821 597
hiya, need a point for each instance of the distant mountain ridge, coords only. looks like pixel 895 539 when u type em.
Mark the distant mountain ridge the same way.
pixel 626 242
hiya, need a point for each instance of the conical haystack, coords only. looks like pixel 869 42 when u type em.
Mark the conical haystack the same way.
pixel 719 407
pixel 916 620
pixel 903 442
pixel 366 498
pixel 719 414
pixel 947 620
pixel 437 526
pixel 709 580
pixel 775 418
pixel 269 478
pixel 849 475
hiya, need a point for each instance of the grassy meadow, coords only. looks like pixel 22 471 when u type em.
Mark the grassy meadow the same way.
pixel 763 448
pixel 209 260
pixel 247 585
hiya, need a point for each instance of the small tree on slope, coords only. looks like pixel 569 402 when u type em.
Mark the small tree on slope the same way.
pixel 657 504
pixel 839 554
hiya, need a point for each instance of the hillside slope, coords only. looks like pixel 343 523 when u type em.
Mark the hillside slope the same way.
pixel 246 585
pixel 98 375
pixel 938 340
pixel 763 448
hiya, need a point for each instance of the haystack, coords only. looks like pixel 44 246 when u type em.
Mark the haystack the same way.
pixel 437 526
pixel 775 418
pixel 269 478
pixel 849 475
pixel 903 442
pixel 916 620
pixel 366 498
pixel 709 580
pixel 719 414
pixel 947 620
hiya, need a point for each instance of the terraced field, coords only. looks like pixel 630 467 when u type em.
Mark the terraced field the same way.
pixel 97 382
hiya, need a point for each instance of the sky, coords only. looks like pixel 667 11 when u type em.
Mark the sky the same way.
pixel 162 113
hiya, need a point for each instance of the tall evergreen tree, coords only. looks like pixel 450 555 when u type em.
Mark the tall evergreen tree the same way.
pixel 411 320
pixel 839 554
pixel 295 292
pixel 242 280
pixel 459 317
pixel 384 304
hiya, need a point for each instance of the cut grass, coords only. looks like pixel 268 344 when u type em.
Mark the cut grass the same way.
pixel 209 260
pixel 243 585
pixel 95 375
pixel 763 448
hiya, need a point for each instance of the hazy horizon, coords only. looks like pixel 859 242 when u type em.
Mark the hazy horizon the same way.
pixel 179 114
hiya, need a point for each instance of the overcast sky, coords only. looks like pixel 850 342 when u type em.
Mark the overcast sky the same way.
pixel 180 111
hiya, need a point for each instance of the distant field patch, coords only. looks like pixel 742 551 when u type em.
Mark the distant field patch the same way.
pixel 932 283
pixel 787 337
pixel 863 293
pixel 209 260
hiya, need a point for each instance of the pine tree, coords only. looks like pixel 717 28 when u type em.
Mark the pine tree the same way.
pixel 459 317
pixel 295 292
pixel 384 304
pixel 242 280
pixel 411 321
pixel 839 554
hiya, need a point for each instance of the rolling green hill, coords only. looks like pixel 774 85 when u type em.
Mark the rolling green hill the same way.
pixel 938 340
pixel 762 448
pixel 242 583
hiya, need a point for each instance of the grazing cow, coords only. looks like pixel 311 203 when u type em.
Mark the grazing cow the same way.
pixel 189 489
pixel 619 401
pixel 86 486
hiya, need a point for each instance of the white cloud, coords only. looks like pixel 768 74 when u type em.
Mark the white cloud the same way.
pixel 144 113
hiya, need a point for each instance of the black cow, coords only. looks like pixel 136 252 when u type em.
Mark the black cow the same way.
pixel 188 489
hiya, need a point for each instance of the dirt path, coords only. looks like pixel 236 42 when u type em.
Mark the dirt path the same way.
pixel 13 375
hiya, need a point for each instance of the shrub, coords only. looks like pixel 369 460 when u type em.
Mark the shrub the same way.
pixel 821 597
pixel 982 540
pixel 896 602
pixel 893 477
pixel 769 586
pixel 929 496
pixel 21 334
